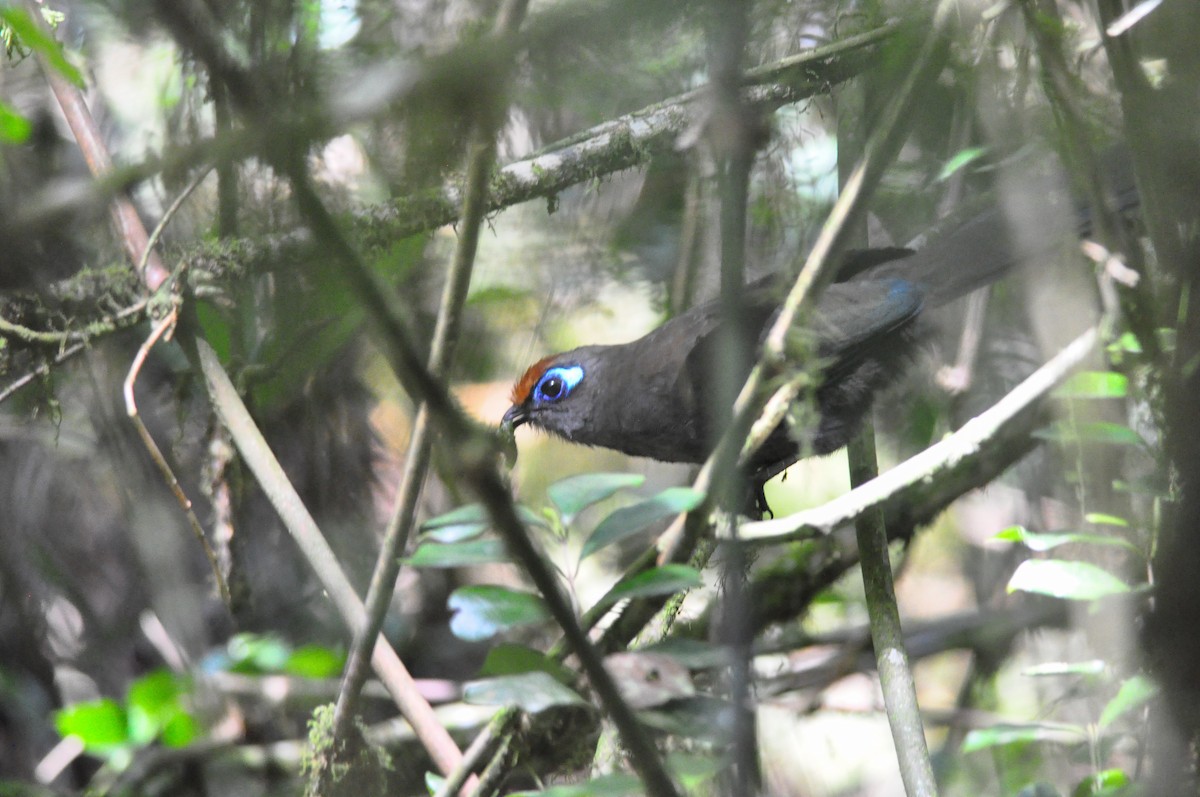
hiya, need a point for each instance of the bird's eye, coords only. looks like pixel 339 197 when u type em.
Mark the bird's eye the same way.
pixel 557 383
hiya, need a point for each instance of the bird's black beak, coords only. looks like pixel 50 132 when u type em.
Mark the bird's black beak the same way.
pixel 515 416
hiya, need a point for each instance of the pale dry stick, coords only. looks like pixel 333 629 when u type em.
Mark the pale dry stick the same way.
pixel 162 329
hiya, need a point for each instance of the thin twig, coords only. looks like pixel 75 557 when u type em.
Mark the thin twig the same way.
pixel 480 748
pixel 891 657
pixel 162 328
pixel 42 370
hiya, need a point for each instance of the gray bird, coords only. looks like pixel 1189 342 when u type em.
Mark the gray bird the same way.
pixel 652 397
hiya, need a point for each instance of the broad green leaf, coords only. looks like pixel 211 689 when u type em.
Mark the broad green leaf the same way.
pixel 217 330
pixel 691 653
pixel 14 128
pixel 481 611
pixel 458 525
pixel 253 654
pixel 693 771
pixel 469 521
pixel 1133 694
pixel 576 493
pixel 180 729
pixel 98 723
pixel 531 691
pixel 1092 667
pixel 1094 385
pixel 1080 581
pixel 458 554
pixel 32 36
pixel 1002 735
pixel 315 661
pixel 313 320
pixel 962 159
pixel 433 782
pixel 698 717
pixel 513 659
pixel 1045 542
pixel 663 580
pixel 632 519
pixel 152 702
pixel 1107 783
pixel 1127 342
pixel 1097 432
pixel 618 784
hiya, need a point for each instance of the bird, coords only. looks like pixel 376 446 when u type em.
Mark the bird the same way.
pixel 652 397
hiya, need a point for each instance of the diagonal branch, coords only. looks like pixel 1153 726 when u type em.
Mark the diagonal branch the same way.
pixel 916 490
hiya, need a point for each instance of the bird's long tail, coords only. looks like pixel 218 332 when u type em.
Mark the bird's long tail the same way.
pixel 1030 218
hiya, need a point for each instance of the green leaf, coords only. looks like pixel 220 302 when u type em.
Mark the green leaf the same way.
pixel 1080 581
pixel 1094 385
pixel 433 782
pixel 513 659
pixel 14 128
pixel 962 159
pixel 315 661
pixel 32 36
pixel 691 653
pixel 98 723
pixel 481 611
pixel 217 330
pixel 180 729
pixel 1133 694
pixel 632 519
pixel 618 784
pixel 1097 432
pixel 531 691
pixel 576 493
pixel 664 580
pixel 152 702
pixel 460 524
pixel 1107 783
pixel 1127 342
pixel 693 771
pixel 253 654
pixel 1004 734
pixel 1045 542
pixel 469 521
pixel 458 554
pixel 698 717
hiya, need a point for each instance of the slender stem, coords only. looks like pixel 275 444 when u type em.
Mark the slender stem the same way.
pixel 891 658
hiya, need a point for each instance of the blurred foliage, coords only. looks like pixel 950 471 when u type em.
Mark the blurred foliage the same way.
pixel 105 601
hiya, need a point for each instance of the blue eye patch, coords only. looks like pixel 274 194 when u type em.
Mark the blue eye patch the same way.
pixel 557 383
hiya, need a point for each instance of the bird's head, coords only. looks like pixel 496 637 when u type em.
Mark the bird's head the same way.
pixel 548 395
